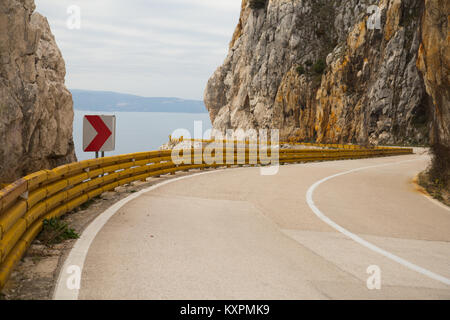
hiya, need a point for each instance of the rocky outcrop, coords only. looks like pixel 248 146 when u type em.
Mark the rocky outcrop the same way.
pixel 36 112
pixel 322 70
pixel 434 63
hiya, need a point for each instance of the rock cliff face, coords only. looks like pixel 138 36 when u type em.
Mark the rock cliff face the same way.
pixel 324 70
pixel 36 112
pixel 434 63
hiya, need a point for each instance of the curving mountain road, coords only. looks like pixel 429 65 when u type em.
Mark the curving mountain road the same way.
pixel 235 234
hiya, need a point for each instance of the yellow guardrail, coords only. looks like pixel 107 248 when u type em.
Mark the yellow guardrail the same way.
pixel 281 143
pixel 46 194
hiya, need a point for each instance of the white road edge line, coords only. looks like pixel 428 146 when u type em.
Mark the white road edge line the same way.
pixel 428 196
pixel 78 253
pixel 436 202
pixel 354 237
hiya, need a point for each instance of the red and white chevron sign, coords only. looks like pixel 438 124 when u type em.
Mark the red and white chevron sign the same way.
pixel 99 133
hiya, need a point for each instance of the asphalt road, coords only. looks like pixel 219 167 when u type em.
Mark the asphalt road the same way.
pixel 235 234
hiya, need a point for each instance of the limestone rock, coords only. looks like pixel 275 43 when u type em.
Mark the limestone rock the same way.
pixel 36 112
pixel 314 70
pixel 434 63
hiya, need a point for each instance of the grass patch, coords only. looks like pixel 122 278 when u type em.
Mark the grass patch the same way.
pixel 434 188
pixel 87 204
pixel 56 231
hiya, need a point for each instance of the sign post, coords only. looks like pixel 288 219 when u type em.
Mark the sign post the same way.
pixel 99 134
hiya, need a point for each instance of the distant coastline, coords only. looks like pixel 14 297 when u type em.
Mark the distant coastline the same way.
pixel 106 101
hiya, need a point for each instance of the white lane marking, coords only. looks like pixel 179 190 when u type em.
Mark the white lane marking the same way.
pixel 77 255
pixel 354 237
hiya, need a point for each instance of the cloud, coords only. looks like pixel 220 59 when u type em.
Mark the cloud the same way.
pixel 149 48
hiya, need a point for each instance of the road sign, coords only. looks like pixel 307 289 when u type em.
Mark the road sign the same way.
pixel 99 133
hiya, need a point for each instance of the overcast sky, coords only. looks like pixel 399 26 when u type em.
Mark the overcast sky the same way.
pixel 163 48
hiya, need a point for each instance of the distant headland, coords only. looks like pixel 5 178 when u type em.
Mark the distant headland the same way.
pixel 107 101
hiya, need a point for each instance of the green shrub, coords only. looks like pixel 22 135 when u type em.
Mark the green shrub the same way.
pixel 258 4
pixel 56 231
pixel 319 66
pixel 300 70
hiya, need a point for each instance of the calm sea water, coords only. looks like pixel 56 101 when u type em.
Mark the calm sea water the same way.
pixel 139 131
